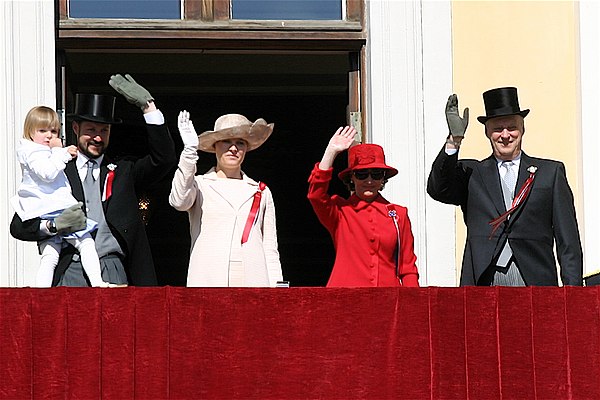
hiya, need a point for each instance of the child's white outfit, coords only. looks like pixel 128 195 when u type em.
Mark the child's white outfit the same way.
pixel 45 192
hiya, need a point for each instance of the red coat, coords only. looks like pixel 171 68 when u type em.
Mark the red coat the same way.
pixel 364 237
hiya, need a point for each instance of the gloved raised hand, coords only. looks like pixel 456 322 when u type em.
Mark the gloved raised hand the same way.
pixel 71 220
pixel 133 91
pixel 186 130
pixel 456 124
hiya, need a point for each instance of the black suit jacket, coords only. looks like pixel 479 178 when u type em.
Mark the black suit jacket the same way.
pixel 121 209
pixel 547 216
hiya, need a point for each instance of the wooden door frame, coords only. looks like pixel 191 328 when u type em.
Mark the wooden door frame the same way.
pixel 207 26
pixel 219 10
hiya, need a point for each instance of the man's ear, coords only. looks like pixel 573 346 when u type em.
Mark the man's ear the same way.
pixel 75 127
pixel 522 125
pixel 485 131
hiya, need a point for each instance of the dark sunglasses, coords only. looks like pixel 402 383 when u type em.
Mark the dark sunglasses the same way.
pixel 363 174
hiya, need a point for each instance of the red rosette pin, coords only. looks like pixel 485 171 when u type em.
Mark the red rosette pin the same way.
pixel 110 176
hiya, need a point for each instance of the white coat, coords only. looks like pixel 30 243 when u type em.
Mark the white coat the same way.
pixel 44 187
pixel 218 209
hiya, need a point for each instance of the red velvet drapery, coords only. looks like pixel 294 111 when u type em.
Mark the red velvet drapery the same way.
pixel 300 343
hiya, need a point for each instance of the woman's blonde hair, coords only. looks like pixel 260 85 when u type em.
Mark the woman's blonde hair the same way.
pixel 40 117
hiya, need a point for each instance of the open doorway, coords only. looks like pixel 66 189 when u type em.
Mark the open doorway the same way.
pixel 306 96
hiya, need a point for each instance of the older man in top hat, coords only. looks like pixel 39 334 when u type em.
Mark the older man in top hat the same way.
pixel 109 189
pixel 516 207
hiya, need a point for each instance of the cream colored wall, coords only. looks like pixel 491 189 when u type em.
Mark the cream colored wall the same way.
pixel 532 45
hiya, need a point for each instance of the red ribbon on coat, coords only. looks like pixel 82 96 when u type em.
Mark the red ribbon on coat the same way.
pixel 109 181
pixel 253 212
pixel 110 176
pixel 516 203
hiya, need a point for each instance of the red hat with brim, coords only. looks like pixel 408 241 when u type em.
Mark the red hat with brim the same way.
pixel 366 156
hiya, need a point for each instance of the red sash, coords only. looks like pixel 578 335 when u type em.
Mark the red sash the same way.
pixel 516 203
pixel 253 212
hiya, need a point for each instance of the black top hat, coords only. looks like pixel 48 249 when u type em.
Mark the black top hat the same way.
pixel 500 102
pixel 96 108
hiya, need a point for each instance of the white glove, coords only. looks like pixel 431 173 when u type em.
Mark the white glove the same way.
pixel 186 130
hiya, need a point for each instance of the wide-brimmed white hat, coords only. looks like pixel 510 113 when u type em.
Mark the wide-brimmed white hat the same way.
pixel 233 126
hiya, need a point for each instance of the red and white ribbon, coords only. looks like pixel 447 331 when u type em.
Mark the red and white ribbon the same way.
pixel 517 201
pixel 110 176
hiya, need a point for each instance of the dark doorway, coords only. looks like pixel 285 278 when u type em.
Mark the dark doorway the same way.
pixel 305 95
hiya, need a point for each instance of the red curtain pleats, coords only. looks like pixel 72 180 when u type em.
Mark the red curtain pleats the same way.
pixel 300 343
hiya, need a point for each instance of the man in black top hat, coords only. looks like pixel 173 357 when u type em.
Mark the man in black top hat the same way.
pixel 109 189
pixel 516 207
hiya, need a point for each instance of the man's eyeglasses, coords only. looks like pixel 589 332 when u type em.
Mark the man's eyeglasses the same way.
pixel 363 174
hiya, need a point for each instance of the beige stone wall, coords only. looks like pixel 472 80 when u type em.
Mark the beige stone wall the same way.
pixel 532 45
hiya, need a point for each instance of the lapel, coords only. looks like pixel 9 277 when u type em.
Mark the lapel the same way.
pixel 490 174
pixel 102 177
pixel 241 196
pixel 526 162
pixel 74 180
pixel 77 186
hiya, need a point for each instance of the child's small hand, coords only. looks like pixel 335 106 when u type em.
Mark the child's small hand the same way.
pixel 72 150
pixel 55 142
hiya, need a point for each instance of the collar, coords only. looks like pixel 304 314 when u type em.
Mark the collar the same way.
pixel 516 160
pixel 81 163
pixel 211 174
pixel 359 204
pixel 82 160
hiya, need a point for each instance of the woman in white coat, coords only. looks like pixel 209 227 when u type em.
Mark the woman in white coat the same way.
pixel 232 217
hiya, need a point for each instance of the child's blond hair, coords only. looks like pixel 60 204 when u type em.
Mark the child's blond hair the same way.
pixel 40 117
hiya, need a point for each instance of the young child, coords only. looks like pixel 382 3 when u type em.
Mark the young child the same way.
pixel 45 192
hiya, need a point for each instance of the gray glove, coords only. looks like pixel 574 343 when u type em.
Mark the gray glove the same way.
pixel 456 124
pixel 133 91
pixel 71 220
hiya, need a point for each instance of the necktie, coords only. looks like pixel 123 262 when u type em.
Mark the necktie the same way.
pixel 92 193
pixel 510 177
pixel 106 243
pixel 508 188
pixel 511 275
pixel 89 177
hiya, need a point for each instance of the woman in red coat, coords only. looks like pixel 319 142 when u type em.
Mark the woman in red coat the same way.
pixel 367 230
